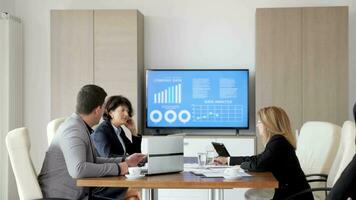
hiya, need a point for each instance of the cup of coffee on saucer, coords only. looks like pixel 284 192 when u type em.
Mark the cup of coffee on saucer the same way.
pixel 232 173
pixel 134 173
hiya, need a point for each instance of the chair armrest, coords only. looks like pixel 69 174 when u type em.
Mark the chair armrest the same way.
pixel 320 175
pixel 316 180
pixel 306 191
pixel 52 199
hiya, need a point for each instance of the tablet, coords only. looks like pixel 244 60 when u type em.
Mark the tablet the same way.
pixel 220 149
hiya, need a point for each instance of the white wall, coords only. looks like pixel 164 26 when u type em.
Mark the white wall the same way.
pixel 178 33
pixel 7 6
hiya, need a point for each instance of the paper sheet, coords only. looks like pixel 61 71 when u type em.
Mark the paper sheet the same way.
pixel 212 171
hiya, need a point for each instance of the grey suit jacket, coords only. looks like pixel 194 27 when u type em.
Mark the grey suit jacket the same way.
pixel 71 156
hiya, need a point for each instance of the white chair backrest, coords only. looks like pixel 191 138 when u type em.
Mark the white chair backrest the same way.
pixel 18 146
pixel 52 128
pixel 345 153
pixel 317 146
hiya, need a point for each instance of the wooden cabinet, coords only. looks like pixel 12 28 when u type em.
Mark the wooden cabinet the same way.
pixel 325 64
pixel 103 47
pixel 302 62
pixel 118 56
pixel 71 58
pixel 279 60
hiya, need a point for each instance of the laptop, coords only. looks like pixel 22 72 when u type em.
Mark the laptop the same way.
pixel 164 155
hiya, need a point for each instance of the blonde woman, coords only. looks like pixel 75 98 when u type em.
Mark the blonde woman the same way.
pixel 279 155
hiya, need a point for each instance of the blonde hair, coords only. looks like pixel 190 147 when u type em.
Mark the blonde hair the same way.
pixel 276 122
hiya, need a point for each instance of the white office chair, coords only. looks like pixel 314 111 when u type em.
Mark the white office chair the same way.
pixel 344 155
pixel 52 128
pixel 317 146
pixel 316 150
pixel 318 143
pixel 18 146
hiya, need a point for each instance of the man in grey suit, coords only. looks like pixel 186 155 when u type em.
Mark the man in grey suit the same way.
pixel 71 155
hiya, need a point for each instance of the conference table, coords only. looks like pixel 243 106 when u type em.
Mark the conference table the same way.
pixel 183 180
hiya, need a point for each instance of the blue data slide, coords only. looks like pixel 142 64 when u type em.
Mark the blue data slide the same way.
pixel 197 98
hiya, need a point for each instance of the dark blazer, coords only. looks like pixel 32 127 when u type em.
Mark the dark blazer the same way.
pixel 108 144
pixel 279 158
pixel 345 186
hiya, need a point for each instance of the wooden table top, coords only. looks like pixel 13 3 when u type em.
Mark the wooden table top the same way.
pixel 183 180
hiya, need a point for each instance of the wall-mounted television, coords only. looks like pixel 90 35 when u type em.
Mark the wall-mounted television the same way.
pixel 197 98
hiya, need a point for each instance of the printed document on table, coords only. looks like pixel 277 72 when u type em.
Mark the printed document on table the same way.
pixel 211 171
pixel 219 174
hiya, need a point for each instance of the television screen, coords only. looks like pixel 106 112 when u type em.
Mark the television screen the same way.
pixel 197 99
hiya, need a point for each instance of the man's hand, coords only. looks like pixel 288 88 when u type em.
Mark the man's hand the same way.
pixel 123 168
pixel 134 159
pixel 221 160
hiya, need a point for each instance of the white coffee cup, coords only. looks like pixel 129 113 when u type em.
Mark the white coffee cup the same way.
pixel 233 171
pixel 134 171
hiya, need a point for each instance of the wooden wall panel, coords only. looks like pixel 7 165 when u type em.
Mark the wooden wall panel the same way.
pixel 71 58
pixel 325 64
pixel 118 54
pixel 279 61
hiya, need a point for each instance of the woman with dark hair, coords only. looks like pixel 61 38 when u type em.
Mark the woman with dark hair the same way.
pixel 109 137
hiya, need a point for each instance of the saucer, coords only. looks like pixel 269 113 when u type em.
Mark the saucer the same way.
pixel 134 177
pixel 231 177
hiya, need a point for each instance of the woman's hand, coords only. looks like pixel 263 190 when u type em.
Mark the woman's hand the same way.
pixel 221 160
pixel 131 125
